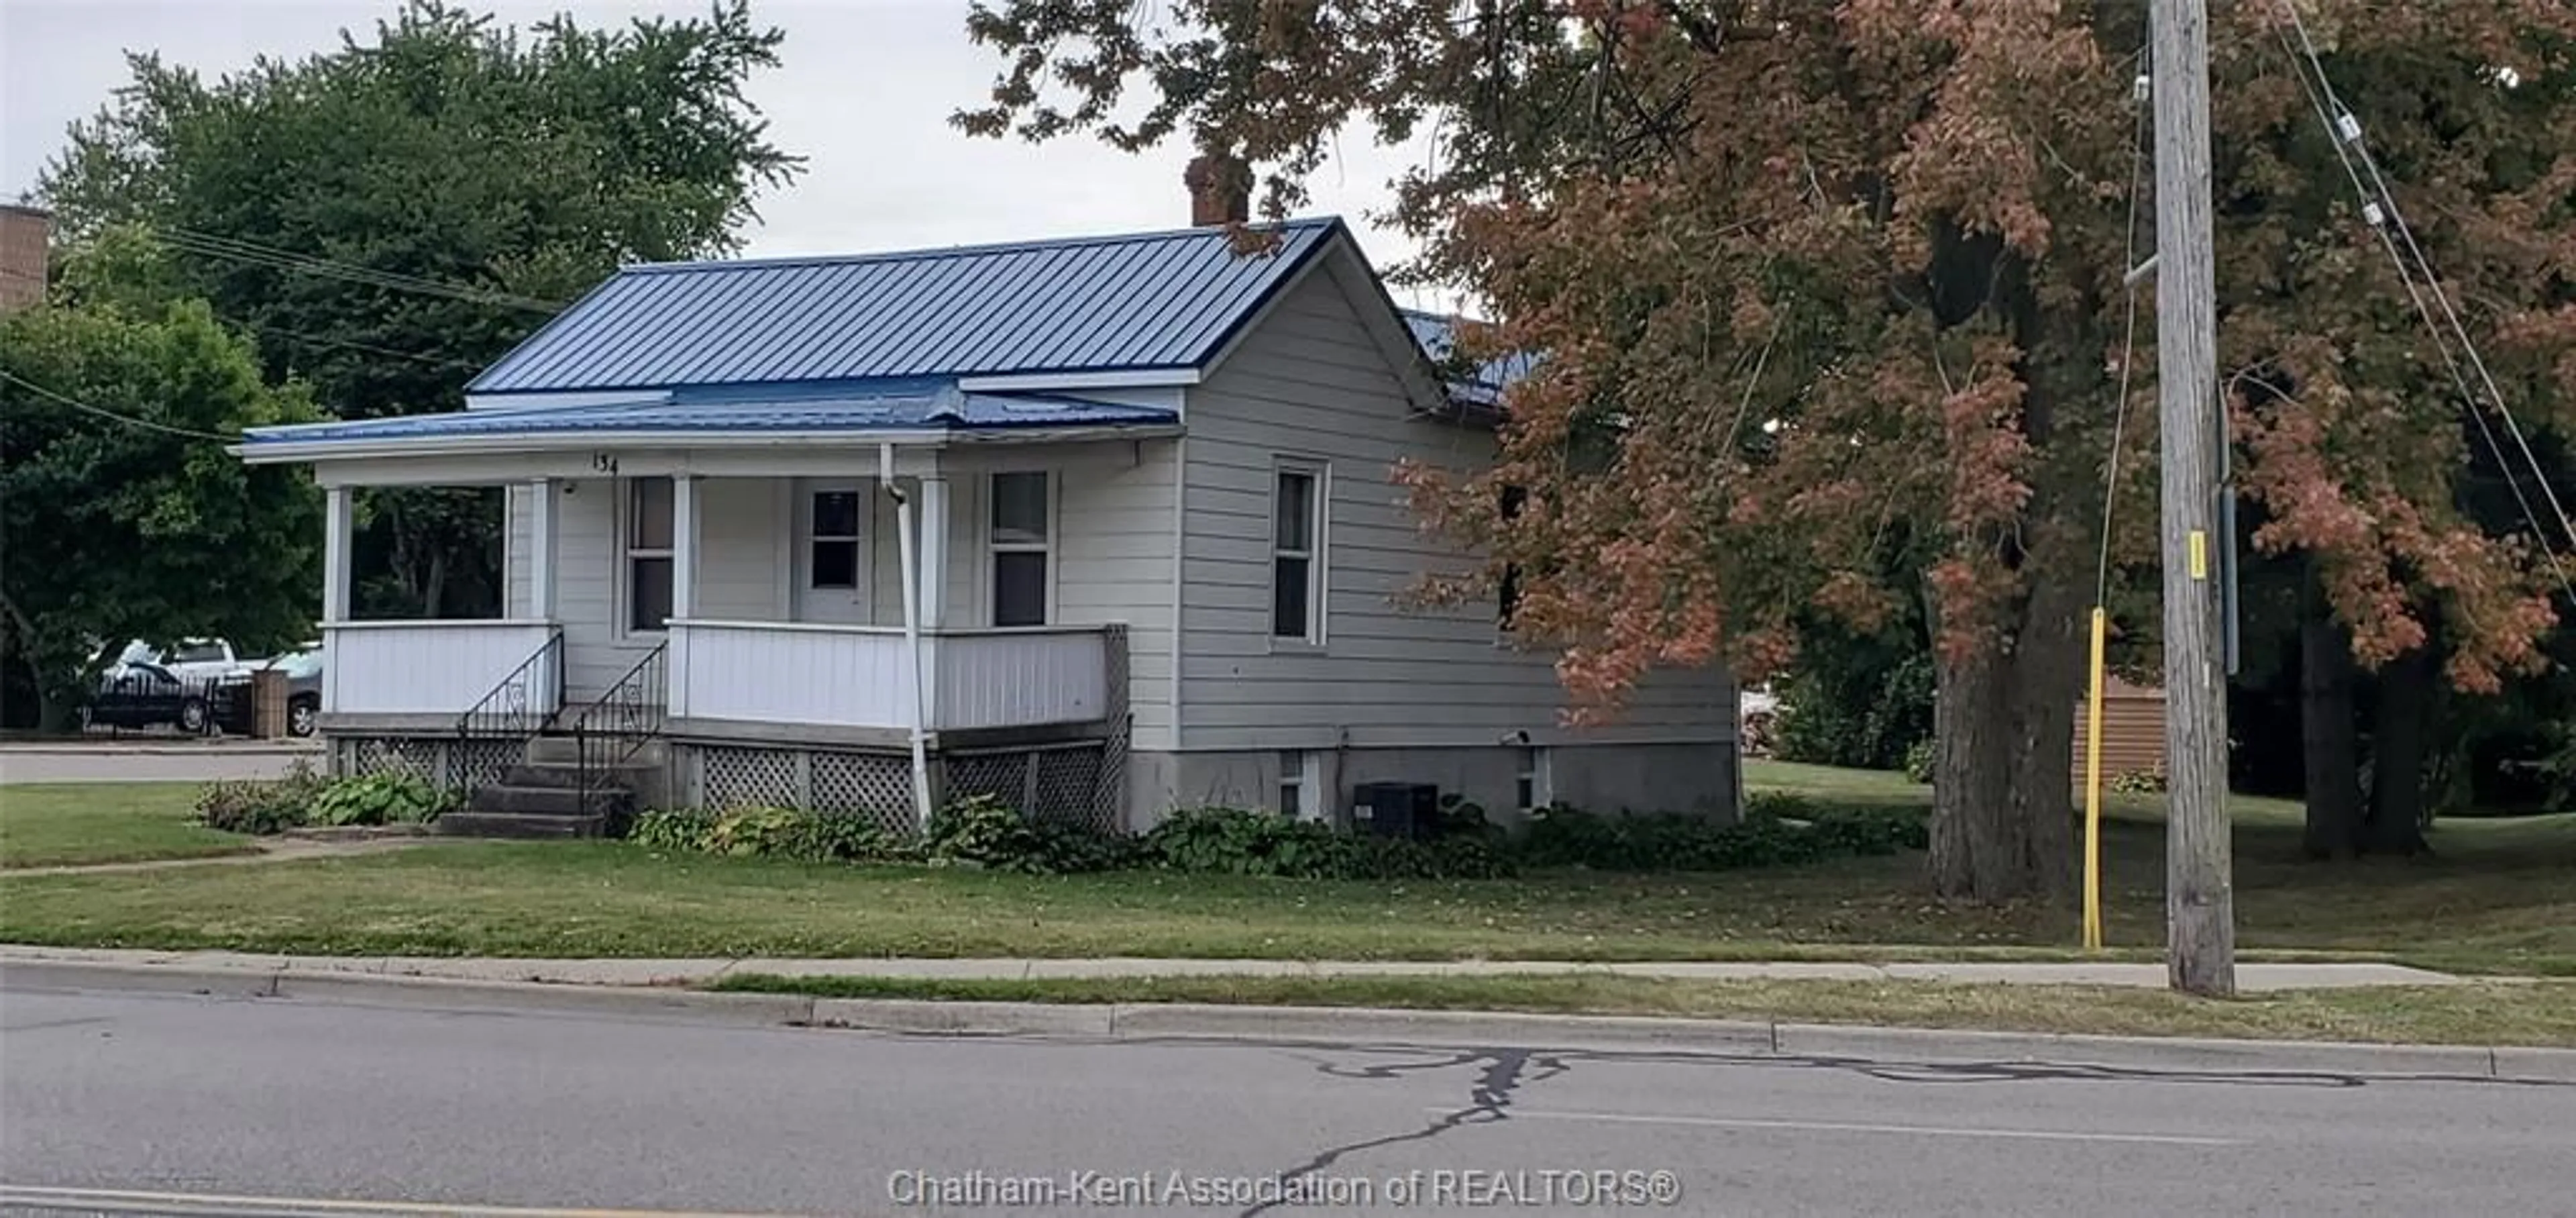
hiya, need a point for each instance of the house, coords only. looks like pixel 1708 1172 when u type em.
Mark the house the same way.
pixel 1106 526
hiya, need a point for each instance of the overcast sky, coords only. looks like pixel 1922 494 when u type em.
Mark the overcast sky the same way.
pixel 863 91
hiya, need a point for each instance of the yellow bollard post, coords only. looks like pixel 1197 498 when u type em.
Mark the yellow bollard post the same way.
pixel 2093 791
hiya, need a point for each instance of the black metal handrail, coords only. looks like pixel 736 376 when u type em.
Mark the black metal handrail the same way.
pixel 620 722
pixel 513 709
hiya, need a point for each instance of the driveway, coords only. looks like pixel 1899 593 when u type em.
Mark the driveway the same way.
pixel 141 760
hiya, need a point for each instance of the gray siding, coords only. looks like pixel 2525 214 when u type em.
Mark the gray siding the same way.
pixel 1309 383
pixel 1114 564
pixel 1112 560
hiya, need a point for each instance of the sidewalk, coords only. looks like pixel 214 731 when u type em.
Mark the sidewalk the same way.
pixel 2250 978
pixel 655 989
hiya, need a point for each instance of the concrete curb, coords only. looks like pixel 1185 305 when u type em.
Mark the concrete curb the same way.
pixel 2163 1054
pixel 1367 1025
pixel 366 989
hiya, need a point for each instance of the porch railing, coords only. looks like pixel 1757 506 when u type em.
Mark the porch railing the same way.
pixel 493 734
pixel 620 722
pixel 860 676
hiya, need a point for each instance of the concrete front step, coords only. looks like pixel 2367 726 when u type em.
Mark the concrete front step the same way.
pixel 568 776
pixel 565 750
pixel 564 800
pixel 472 823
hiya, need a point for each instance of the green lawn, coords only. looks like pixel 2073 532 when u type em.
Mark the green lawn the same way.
pixel 2501 897
pixel 47 825
pixel 2494 1013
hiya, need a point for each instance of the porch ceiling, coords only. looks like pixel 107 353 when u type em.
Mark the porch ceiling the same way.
pixel 912 411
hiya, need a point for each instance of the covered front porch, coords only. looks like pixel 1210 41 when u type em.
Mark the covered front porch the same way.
pixel 857 586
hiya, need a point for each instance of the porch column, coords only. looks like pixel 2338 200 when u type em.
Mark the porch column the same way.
pixel 684 546
pixel 934 550
pixel 934 585
pixel 336 525
pixel 541 549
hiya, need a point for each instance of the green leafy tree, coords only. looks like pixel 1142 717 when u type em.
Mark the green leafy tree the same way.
pixel 121 515
pixel 388 218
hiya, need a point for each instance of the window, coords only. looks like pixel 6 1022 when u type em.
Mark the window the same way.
pixel 1020 540
pixel 1296 540
pixel 1535 786
pixel 1507 589
pixel 833 549
pixel 648 554
pixel 199 652
pixel 1301 784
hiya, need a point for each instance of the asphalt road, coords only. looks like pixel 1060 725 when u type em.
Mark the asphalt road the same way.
pixel 148 761
pixel 181 1102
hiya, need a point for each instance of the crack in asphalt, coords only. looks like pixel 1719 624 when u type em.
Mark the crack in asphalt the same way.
pixel 1502 1073
pixel 1505 1072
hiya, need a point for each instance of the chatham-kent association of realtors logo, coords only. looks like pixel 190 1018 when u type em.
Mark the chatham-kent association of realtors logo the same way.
pixel 1465 1188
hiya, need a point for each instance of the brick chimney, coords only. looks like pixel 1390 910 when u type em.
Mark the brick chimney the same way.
pixel 24 234
pixel 1220 190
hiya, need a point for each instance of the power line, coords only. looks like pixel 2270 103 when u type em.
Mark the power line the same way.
pixel 371 348
pixel 210 245
pixel 101 412
pixel 2380 212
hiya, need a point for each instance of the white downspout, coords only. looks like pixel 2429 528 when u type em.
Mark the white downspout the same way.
pixel 911 634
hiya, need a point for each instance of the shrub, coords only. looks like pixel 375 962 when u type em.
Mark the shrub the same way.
pixel 983 831
pixel 2138 782
pixel 379 799
pixel 980 832
pixel 1235 841
pixel 769 832
pixel 673 830
pixel 260 806
pixel 1920 758
pixel 1776 829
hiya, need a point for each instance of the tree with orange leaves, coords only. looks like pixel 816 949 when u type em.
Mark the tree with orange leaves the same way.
pixel 1829 302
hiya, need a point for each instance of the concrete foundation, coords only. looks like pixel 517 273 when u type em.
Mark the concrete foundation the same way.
pixel 1606 778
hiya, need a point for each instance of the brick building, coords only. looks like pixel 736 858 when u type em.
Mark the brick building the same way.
pixel 24 232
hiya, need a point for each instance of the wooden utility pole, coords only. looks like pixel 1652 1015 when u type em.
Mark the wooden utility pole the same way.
pixel 2200 903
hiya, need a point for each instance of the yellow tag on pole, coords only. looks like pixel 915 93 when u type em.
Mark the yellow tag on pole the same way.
pixel 2199 554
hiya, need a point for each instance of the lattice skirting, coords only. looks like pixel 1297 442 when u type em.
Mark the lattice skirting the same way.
pixel 446 762
pixel 1073 783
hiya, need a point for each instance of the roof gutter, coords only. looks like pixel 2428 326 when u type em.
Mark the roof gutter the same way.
pixel 281 452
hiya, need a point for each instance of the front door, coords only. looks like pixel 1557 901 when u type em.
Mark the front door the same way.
pixel 832 566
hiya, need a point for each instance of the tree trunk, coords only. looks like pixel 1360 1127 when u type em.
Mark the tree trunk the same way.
pixel 1971 778
pixel 2048 678
pixel 2328 733
pixel 2398 747
pixel 2003 817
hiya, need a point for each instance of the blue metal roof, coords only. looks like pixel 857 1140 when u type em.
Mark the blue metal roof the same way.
pixel 1485 383
pixel 1150 300
pixel 859 407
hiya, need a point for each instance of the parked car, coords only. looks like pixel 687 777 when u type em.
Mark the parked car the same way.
pixel 143 693
pixel 200 659
pixel 303 669
pixel 1759 709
